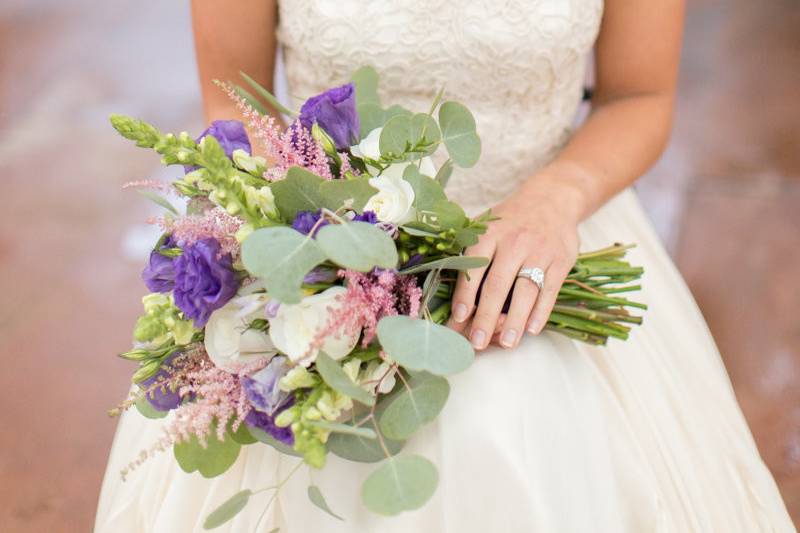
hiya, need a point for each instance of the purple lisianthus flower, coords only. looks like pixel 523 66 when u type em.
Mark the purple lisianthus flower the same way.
pixel 335 112
pixel 204 281
pixel 230 134
pixel 266 423
pixel 159 274
pixel 262 390
pixel 305 221
pixel 162 398
pixel 366 216
pixel 320 275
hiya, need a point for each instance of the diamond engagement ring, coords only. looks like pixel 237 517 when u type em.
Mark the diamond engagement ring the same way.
pixel 534 274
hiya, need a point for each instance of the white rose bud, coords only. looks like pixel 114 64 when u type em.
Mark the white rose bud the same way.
pixel 228 340
pixel 394 201
pixel 294 328
pixel 369 147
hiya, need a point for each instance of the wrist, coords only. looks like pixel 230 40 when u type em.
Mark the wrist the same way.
pixel 566 189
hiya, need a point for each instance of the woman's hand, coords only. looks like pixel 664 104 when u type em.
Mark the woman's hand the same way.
pixel 537 228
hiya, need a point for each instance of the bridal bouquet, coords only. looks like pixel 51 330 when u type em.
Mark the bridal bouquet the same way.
pixel 298 301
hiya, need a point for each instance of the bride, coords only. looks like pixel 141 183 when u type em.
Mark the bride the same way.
pixel 639 436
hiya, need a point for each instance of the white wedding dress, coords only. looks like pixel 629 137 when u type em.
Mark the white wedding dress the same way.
pixel 554 436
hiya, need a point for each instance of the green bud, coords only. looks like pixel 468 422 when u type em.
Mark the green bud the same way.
pixel 441 246
pixel 423 249
pixel 325 140
pixel 285 419
pixel 147 370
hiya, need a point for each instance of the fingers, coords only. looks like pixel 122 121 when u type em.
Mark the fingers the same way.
pixel 496 286
pixel 553 279
pixel 467 289
pixel 522 303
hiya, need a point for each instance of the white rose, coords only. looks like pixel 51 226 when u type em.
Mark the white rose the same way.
pixel 394 201
pixel 228 340
pixel 294 328
pixel 369 147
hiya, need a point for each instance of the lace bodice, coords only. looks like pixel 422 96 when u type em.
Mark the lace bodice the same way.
pixel 519 65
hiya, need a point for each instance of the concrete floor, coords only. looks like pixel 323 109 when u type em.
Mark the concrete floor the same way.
pixel 725 197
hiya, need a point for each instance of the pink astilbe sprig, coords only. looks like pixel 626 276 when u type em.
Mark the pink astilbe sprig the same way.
pixel 218 398
pixel 155 185
pixel 215 222
pixel 368 298
pixel 293 147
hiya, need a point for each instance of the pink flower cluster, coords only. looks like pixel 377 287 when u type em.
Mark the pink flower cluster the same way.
pixel 218 399
pixel 285 149
pixel 369 298
pixel 215 222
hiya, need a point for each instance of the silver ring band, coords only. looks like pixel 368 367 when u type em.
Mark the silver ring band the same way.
pixel 535 274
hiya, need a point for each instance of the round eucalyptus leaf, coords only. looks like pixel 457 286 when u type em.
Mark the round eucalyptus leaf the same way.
pixel 401 484
pixel 242 435
pixel 422 345
pixel 227 510
pixel 459 134
pixel 370 116
pixel 147 410
pixel 299 191
pixel 361 449
pixel 282 257
pixel 357 245
pixel 210 461
pixel 352 193
pixel 410 407
pixel 424 130
pixel 396 136
pixel 427 191
pixel 366 82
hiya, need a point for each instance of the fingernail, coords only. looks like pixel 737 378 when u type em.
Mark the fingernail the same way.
pixel 478 338
pixel 534 327
pixel 508 338
pixel 460 313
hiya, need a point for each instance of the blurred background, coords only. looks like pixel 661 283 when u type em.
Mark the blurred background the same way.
pixel 725 198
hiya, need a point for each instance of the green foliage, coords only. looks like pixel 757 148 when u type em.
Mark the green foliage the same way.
pixel 316 497
pixel 350 193
pixel 459 134
pixel 281 256
pixel 361 449
pixel 358 246
pixel 453 262
pixel 210 461
pixel 266 95
pixel 336 378
pixel 427 191
pixel 409 134
pixel 158 200
pixel 348 429
pixel 264 437
pixel 422 345
pixel 401 484
pixel 228 510
pixel 145 135
pixel 414 405
pixel 147 410
pixel 366 81
pixel 299 191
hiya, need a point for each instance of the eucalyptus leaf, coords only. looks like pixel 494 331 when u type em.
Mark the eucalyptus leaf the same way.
pixel 395 110
pixel 427 191
pixel 456 262
pixel 360 449
pixel 299 191
pixel 396 136
pixel 370 116
pixel 357 245
pixel 445 215
pixel 242 435
pixel 466 237
pixel 159 200
pixel 210 461
pixel 366 81
pixel 333 374
pixel 227 510
pixel 401 484
pixel 349 429
pixel 444 173
pixel 316 497
pixel 147 410
pixel 422 345
pixel 352 193
pixel 262 436
pixel 459 134
pixel 417 232
pixel 414 405
pixel 425 130
pixel 282 257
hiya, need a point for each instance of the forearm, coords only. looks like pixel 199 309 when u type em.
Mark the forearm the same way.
pixel 232 37
pixel 619 141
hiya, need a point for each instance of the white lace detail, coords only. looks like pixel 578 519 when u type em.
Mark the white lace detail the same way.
pixel 518 65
